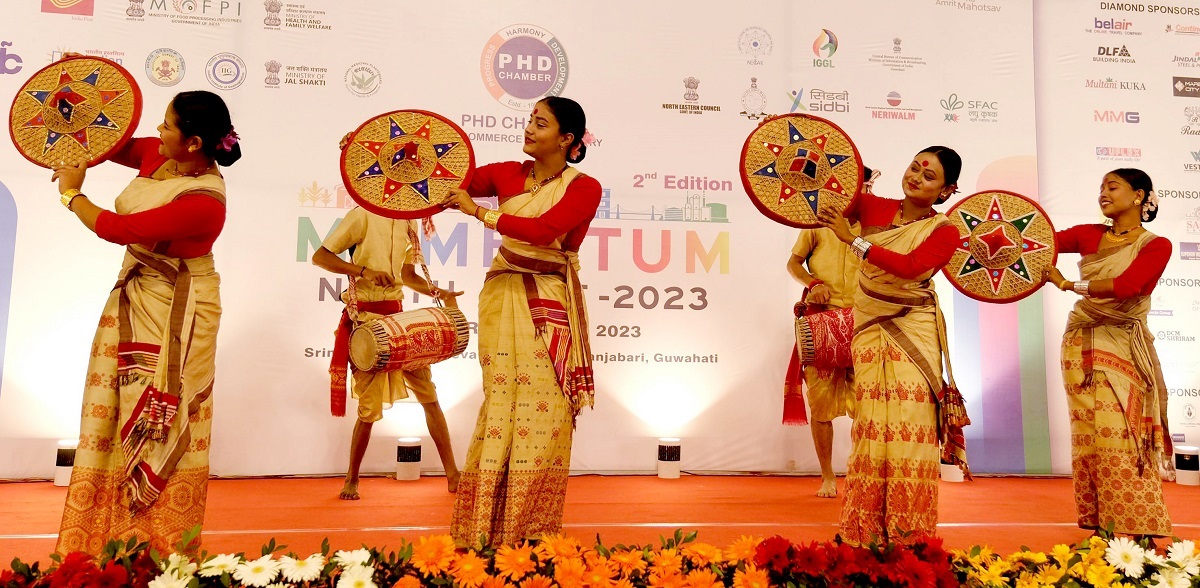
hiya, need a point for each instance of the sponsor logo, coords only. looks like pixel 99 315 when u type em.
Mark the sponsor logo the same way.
pixel 1186 87
pixel 135 10
pixel 821 100
pixel 1184 29
pixel 755 42
pixel 209 13
pixel 303 75
pixel 753 101
pixel 272 18
pixel 363 79
pixel 974 110
pixel 76 7
pixel 10 63
pixel 691 99
pixel 796 99
pixel 1114 116
pixel 824 47
pixel 1112 26
pixel 317 196
pixel 1119 153
pixel 1192 115
pixel 1173 336
pixel 1181 282
pixel 1189 251
pixel 1112 84
pixel 1195 166
pixel 165 67
pixel 951 105
pixel 1189 412
pixel 1157 309
pixel 1149 8
pixel 109 54
pixel 225 71
pixel 1178 194
pixel 969 6
pixel 1113 55
pixel 1187 61
pixel 896 59
pixel 893 110
pixel 1191 221
pixel 522 64
pixel 272 79
pixel 295 16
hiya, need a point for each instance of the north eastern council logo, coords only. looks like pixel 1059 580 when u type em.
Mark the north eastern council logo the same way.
pixel 522 64
pixel 225 71
pixel 165 67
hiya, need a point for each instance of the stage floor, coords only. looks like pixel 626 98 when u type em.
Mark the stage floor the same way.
pixel 1005 513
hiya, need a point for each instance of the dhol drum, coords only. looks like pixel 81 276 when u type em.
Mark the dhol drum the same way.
pixel 409 340
pixel 823 338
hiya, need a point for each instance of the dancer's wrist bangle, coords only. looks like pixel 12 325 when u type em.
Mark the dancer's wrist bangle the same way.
pixel 1081 287
pixel 491 218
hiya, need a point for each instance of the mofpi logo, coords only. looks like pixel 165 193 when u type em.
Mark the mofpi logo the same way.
pixel 10 63
pixel 522 64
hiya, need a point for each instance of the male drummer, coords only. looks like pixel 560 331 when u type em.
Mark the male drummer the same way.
pixel 829 283
pixel 381 261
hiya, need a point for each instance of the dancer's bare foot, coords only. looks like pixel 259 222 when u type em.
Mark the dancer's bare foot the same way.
pixel 828 488
pixel 452 482
pixel 349 491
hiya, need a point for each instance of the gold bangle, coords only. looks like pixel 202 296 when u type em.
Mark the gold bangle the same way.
pixel 69 196
pixel 1060 284
pixel 491 218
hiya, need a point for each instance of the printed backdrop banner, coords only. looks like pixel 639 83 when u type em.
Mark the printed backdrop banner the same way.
pixel 687 289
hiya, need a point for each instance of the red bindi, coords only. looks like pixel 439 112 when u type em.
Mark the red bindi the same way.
pixel 925 163
pixel 535 111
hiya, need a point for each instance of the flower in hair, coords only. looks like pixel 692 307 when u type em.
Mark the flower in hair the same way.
pixel 1149 205
pixel 228 141
pixel 870 183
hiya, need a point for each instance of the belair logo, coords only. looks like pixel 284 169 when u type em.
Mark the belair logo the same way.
pixel 951 104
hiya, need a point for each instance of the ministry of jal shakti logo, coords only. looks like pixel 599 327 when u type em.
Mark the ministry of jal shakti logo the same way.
pixel 522 64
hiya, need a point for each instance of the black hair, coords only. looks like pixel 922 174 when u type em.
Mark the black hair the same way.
pixel 1139 180
pixel 203 114
pixel 951 166
pixel 571 119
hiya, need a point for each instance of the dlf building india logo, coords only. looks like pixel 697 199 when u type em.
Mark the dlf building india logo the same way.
pixel 522 64
pixel 77 7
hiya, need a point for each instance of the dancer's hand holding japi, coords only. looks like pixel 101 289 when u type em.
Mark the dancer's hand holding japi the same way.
pixel 461 201
pixel 833 219
pixel 69 177
pixel 1053 276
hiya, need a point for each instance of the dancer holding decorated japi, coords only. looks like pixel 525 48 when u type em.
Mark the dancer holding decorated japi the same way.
pixel 142 463
pixel 828 270
pixel 905 410
pixel 1115 391
pixel 533 335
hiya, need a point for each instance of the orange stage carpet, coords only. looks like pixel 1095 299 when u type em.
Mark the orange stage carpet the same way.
pixel 244 513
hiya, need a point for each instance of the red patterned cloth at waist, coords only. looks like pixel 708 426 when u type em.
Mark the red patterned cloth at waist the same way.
pixel 338 372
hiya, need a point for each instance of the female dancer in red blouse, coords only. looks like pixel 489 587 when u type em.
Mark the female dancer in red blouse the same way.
pixel 1115 389
pixel 533 335
pixel 142 463
pixel 898 348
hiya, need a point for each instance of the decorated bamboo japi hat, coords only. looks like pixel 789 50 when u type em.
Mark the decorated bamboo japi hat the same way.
pixel 403 164
pixel 75 110
pixel 1006 243
pixel 794 164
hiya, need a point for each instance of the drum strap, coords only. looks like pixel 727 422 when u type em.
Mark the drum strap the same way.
pixel 338 372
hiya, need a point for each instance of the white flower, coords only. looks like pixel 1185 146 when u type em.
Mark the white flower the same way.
pixel 279 585
pixel 1155 559
pixel 180 565
pixel 346 559
pixel 1183 554
pixel 259 572
pixel 1169 578
pixel 357 577
pixel 169 580
pixel 220 564
pixel 302 570
pixel 1126 556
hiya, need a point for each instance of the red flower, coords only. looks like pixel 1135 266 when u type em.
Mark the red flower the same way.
pixel 143 570
pixel 772 554
pixel 73 572
pixel 114 575
pixel 810 559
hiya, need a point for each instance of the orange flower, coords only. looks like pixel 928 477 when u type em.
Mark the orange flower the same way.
pixel 628 562
pixel 752 577
pixel 515 562
pixel 667 561
pixel 557 547
pixel 495 582
pixel 703 578
pixel 702 554
pixel 568 572
pixel 408 581
pixel 469 570
pixel 666 578
pixel 742 549
pixel 537 581
pixel 433 555
pixel 622 583
pixel 599 574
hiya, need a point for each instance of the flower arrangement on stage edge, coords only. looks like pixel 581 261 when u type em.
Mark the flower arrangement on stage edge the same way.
pixel 556 561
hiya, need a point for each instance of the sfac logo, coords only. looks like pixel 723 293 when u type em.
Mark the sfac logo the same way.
pixel 1113 116
pixel 7 58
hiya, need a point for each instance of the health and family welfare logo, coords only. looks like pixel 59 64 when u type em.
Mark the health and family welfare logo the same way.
pixel 522 64
pixel 165 67
pixel 76 7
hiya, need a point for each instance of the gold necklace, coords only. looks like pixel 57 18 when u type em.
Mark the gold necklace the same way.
pixel 533 189
pixel 1113 236
pixel 175 172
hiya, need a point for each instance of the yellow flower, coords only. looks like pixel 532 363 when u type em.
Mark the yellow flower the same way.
pixel 994 574
pixel 752 577
pixel 1101 576
pixel 1026 580
pixel 1051 574
pixel 514 562
pixel 568 572
pixel 556 547
pixel 702 554
pixel 667 561
pixel 703 578
pixel 469 570
pixel 408 581
pixel 433 555
pixel 1061 553
pixel 742 549
pixel 629 562
pixel 1097 544
pixel 537 581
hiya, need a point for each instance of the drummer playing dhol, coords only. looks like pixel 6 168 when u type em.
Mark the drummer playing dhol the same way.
pixel 381 263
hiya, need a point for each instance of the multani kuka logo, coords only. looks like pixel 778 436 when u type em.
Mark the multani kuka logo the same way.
pixel 522 64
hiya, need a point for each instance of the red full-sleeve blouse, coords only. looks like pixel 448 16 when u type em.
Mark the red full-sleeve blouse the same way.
pixel 570 218
pixel 1139 278
pixel 931 255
